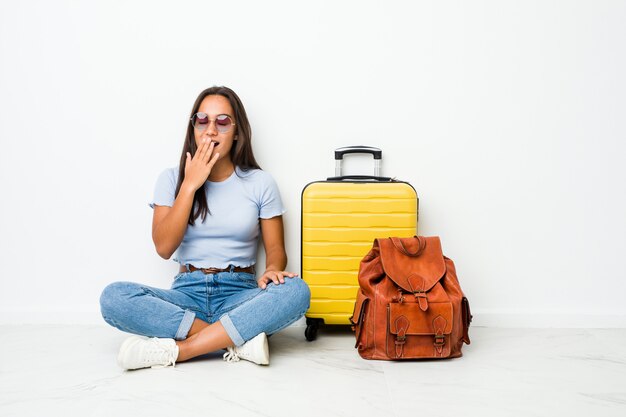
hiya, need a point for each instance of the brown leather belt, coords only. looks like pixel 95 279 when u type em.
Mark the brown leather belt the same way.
pixel 248 269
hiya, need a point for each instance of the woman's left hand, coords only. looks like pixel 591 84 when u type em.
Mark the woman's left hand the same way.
pixel 277 277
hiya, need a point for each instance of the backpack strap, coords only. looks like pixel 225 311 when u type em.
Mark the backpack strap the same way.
pixel 400 246
pixel 467 319
pixel 402 324
pixel 439 325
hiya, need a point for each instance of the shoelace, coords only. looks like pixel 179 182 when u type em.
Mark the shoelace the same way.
pixel 231 355
pixel 161 353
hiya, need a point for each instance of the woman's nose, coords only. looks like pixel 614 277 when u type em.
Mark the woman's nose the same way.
pixel 212 128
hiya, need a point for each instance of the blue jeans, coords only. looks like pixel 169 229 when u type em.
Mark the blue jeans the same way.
pixel 233 298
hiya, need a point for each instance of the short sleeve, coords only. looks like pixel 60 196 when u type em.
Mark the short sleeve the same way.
pixel 271 205
pixel 165 189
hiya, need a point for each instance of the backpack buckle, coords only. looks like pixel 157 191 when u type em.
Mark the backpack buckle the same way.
pixel 422 299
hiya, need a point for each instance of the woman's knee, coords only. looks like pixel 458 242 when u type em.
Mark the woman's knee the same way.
pixel 114 297
pixel 299 293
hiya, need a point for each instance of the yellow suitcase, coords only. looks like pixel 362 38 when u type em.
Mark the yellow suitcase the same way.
pixel 341 217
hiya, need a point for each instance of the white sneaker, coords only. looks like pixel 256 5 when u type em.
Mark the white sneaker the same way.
pixel 254 350
pixel 143 352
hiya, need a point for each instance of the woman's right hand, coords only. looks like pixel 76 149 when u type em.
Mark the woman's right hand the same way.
pixel 198 168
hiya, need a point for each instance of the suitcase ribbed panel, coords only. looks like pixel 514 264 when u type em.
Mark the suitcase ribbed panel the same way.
pixel 352 235
pixel 334 292
pixel 340 221
pixel 356 220
pixel 344 205
pixel 336 249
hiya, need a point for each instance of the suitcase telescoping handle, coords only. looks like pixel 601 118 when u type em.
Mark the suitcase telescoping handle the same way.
pixel 375 152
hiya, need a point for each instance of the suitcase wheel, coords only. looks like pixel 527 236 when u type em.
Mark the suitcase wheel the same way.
pixel 312 325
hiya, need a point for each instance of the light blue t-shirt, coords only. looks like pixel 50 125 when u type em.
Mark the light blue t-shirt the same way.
pixel 230 234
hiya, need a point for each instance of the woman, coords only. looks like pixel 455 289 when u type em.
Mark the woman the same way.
pixel 211 209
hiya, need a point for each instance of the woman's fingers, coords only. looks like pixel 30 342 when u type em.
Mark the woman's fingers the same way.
pixel 262 282
pixel 274 279
pixel 204 155
pixel 200 151
pixel 277 277
pixel 196 156
pixel 267 278
pixel 213 161
pixel 209 152
pixel 206 150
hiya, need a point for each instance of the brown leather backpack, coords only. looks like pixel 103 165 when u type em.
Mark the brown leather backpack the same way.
pixel 410 304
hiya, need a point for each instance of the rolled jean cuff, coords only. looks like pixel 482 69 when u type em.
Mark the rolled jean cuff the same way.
pixel 185 325
pixel 233 333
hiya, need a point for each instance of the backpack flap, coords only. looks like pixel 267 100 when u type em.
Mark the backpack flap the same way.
pixel 414 264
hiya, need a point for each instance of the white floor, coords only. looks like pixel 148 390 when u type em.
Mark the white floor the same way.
pixel 71 371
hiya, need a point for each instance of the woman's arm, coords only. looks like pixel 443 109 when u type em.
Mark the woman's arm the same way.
pixel 275 255
pixel 170 223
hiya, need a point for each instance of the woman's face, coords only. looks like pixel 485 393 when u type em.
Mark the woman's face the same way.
pixel 215 106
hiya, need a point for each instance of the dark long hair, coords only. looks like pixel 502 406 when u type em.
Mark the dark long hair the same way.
pixel 240 153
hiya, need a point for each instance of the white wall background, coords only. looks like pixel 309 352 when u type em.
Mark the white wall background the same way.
pixel 507 117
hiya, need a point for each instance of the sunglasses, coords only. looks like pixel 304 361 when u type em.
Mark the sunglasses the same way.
pixel 201 121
